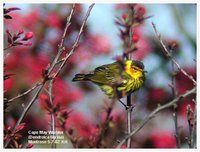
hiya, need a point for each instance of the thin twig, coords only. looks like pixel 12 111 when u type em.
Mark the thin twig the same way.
pixel 129 103
pixel 177 137
pixel 153 114
pixel 53 124
pixel 105 124
pixel 6 48
pixel 24 93
pixel 55 59
pixel 50 69
pixel 169 55
pixel 75 45
pixel 25 112
pixel 190 118
pixel 60 61
pixel 129 113
pixel 175 107
pixel 61 45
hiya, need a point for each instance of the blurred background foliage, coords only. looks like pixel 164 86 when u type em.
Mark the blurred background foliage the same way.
pixel 100 44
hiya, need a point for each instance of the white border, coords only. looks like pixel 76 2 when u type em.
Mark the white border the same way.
pixel 101 1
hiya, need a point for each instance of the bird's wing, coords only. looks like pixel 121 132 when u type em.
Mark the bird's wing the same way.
pixel 108 74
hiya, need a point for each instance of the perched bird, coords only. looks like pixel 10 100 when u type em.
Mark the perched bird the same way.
pixel 117 79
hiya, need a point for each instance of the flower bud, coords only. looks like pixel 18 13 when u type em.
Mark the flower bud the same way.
pixel 20 32
pixel 135 38
pixel 29 145
pixel 123 146
pixel 28 36
pixel 124 16
pixel 141 10
pixel 28 44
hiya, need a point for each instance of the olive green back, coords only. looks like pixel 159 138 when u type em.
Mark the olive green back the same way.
pixel 109 74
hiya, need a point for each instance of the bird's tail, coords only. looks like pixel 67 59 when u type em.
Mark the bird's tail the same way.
pixel 81 77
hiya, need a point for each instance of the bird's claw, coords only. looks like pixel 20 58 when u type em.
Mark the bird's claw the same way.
pixel 127 107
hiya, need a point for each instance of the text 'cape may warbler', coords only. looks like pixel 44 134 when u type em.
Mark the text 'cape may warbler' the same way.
pixel 117 79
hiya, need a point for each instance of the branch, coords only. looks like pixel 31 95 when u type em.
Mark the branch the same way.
pixel 61 45
pixel 129 103
pixel 105 124
pixel 51 67
pixel 53 123
pixel 129 122
pixel 169 55
pixel 175 107
pixel 153 114
pixel 24 112
pixel 191 124
pixel 75 45
pixel 55 59
pixel 24 93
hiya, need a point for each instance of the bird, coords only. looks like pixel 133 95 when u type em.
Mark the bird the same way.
pixel 117 79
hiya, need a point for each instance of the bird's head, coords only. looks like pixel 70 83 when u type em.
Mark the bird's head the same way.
pixel 134 68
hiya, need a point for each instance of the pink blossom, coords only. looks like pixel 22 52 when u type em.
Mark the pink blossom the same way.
pixel 163 139
pixel 29 145
pixel 100 44
pixel 8 84
pixel 123 146
pixel 28 35
pixel 82 125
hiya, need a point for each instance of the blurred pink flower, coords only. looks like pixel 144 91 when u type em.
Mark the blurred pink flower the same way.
pixel 83 55
pixel 140 9
pixel 99 44
pixel 45 102
pixel 82 125
pixel 28 35
pixel 183 83
pixel 183 106
pixel 29 145
pixel 64 94
pixel 53 19
pixel 143 45
pixel 157 95
pixel 8 84
pixel 121 6
pixel 163 139
pixel 135 38
pixel 123 146
pixel 33 66
pixel 124 16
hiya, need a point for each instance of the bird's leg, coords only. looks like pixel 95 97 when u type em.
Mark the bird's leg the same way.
pixel 123 104
pixel 132 106
pixel 127 107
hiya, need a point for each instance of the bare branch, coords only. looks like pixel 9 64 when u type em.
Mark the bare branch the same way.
pixel 76 41
pixel 191 124
pixel 53 122
pixel 61 45
pixel 169 55
pixel 153 114
pixel 51 67
pixel 175 107
pixel 129 118
pixel 105 124
pixel 129 102
pixel 24 93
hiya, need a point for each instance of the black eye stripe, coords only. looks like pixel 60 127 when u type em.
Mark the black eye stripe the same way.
pixel 135 68
pixel 138 64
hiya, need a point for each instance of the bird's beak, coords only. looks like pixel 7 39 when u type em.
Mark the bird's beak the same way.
pixel 145 71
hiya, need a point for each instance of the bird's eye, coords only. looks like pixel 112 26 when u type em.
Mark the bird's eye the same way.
pixel 134 68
